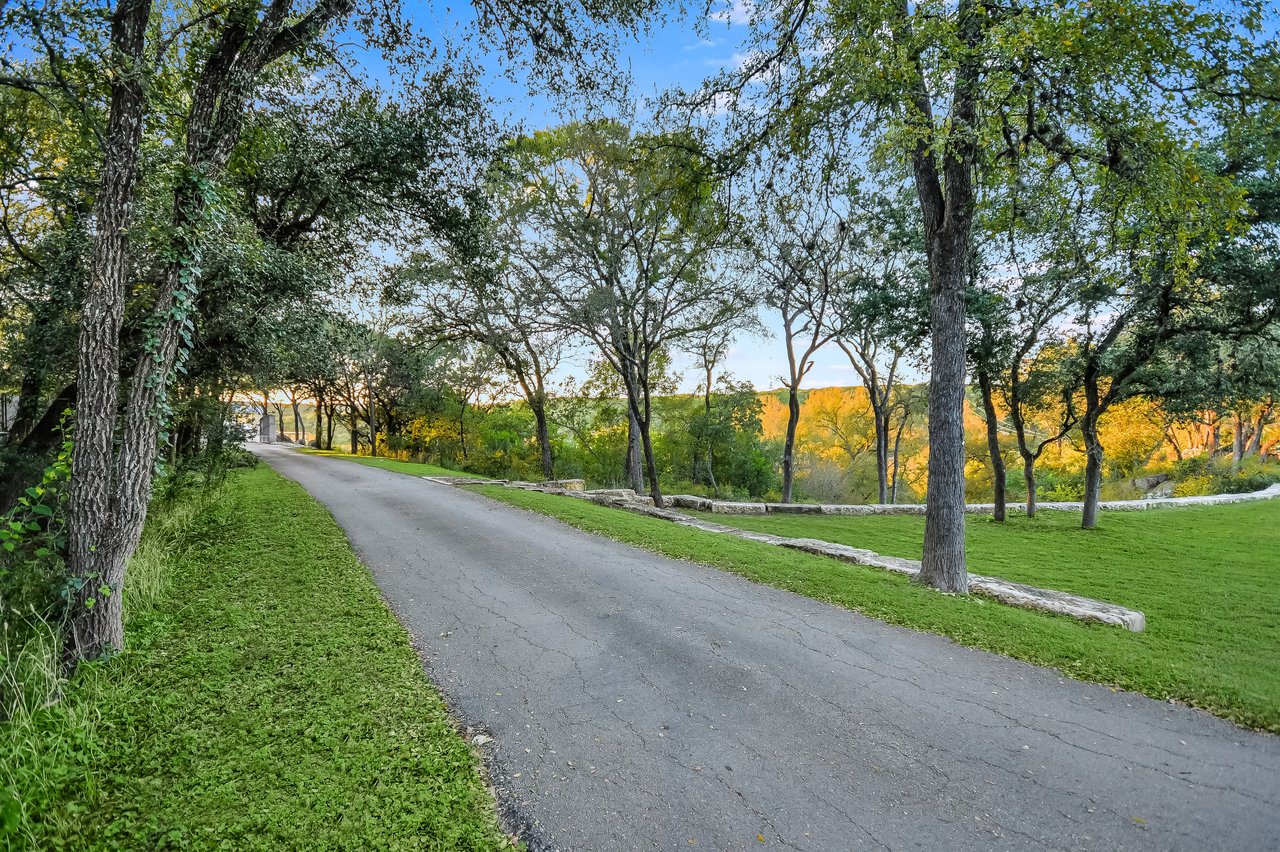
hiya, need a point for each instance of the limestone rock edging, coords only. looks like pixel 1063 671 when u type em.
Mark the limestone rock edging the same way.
pixel 725 507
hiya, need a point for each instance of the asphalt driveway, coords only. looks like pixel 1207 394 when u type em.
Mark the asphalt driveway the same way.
pixel 636 702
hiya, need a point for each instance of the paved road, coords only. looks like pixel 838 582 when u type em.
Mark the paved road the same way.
pixel 637 702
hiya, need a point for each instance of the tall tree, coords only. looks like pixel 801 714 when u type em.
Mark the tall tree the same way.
pixel 621 231
pixel 955 90
pixel 192 76
pixel 491 302
pixel 882 311
pixel 796 252
pixel 109 490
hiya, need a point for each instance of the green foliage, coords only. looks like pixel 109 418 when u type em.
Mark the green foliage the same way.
pixel 1202 475
pixel 268 700
pixel 589 440
pixel 1214 651
pixel 33 541
pixel 48 735
pixel 742 462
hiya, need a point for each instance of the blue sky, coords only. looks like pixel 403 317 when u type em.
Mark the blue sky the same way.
pixel 673 53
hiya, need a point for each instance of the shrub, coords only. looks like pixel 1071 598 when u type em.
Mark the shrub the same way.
pixel 1203 475
pixel 1199 485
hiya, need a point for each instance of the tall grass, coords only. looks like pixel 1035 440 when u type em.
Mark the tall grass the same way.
pixel 47 726
pixel 46 738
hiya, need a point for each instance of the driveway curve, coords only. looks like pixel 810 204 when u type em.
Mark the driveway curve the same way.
pixel 637 702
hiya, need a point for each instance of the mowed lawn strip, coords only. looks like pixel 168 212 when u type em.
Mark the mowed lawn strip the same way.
pixel 1208 579
pixel 272 701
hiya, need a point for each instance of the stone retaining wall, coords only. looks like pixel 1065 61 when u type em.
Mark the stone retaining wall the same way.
pixel 727 507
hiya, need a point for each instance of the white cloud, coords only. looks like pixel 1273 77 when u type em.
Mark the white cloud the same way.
pixel 735 12
pixel 737 61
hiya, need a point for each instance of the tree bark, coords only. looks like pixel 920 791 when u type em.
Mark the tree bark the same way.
pixel 1029 477
pixel 1093 451
pixel 655 489
pixel 27 413
pixel 1255 442
pixel 96 552
pixel 279 418
pixel 943 179
pixel 897 444
pixel 789 447
pixel 109 492
pixel 706 403
pixel 881 422
pixel 299 425
pixel 943 564
pixel 539 406
pixel 462 429
pixel 373 426
pixel 993 447
pixel 1212 442
pixel 635 476
pixel 1237 442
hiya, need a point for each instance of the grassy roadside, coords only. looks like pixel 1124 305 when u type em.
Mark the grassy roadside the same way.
pixel 269 700
pixel 414 468
pixel 1212 636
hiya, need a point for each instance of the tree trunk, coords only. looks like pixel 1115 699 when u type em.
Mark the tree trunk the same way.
pixel 462 430
pixel 635 452
pixel 1237 442
pixel 944 185
pixel 1171 436
pixel 96 554
pixel 881 421
pixel 789 447
pixel 330 410
pixel 1029 477
pixel 373 427
pixel 355 440
pixel 711 473
pixel 943 564
pixel 993 447
pixel 319 422
pixel 27 413
pixel 1093 454
pixel 897 444
pixel 655 490
pixel 539 406
pixel 1255 442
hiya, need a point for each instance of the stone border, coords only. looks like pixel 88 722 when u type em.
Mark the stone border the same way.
pixel 1005 591
pixel 727 507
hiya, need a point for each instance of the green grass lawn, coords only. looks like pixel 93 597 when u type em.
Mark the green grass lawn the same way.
pixel 268 700
pixel 1208 579
pixel 415 468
